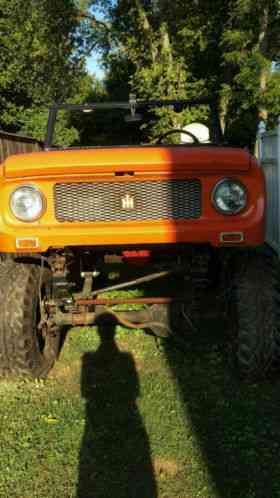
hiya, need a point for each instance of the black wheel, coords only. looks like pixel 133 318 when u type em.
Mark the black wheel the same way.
pixel 255 303
pixel 169 320
pixel 27 347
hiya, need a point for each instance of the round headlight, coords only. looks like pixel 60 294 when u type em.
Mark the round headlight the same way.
pixel 27 203
pixel 229 196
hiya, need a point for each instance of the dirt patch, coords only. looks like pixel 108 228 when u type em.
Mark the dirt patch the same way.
pixel 141 365
pixel 63 371
pixel 166 469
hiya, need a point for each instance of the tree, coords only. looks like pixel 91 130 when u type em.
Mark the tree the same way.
pixel 230 44
pixel 223 48
pixel 41 59
pixel 139 58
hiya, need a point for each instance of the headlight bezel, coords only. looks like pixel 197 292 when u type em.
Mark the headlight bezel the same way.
pixel 43 200
pixel 214 193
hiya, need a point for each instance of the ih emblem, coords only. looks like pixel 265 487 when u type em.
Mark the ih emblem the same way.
pixel 128 202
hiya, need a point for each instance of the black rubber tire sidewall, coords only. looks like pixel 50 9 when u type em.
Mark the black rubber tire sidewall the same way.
pixel 254 314
pixel 19 338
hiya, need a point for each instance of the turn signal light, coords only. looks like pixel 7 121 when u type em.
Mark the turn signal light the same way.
pixel 232 237
pixel 27 243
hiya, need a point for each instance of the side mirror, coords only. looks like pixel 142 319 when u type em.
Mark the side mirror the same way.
pixel 133 117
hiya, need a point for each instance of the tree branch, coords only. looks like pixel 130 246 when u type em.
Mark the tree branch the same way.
pixel 95 22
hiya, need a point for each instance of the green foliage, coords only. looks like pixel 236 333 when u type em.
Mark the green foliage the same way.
pixel 33 121
pixel 222 48
pixel 272 98
pixel 141 59
pixel 41 61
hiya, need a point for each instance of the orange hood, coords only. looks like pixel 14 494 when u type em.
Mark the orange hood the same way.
pixel 204 159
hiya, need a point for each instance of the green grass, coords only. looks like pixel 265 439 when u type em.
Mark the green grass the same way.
pixel 136 419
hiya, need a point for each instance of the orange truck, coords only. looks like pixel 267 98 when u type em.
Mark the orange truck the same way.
pixel 71 218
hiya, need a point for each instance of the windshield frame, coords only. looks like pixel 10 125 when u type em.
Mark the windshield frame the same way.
pixel 134 106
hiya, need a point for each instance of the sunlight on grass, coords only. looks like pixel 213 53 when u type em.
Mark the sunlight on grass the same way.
pixel 204 434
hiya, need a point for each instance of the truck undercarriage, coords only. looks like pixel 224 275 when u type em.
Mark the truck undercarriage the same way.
pixel 84 281
pixel 169 290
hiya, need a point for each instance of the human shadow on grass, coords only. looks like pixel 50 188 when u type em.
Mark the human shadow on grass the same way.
pixel 236 425
pixel 115 458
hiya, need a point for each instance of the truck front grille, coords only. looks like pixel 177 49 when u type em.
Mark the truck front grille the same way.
pixel 128 201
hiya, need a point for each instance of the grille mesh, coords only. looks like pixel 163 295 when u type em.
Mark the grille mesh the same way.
pixel 128 201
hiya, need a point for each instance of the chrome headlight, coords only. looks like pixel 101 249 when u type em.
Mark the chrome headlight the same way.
pixel 229 196
pixel 27 203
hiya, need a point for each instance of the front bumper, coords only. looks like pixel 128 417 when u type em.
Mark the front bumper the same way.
pixel 109 234
pixel 48 232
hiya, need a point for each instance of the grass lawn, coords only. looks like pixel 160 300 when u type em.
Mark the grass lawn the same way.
pixel 124 417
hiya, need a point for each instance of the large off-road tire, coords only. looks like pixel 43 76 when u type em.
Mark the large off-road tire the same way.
pixel 256 314
pixel 24 349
